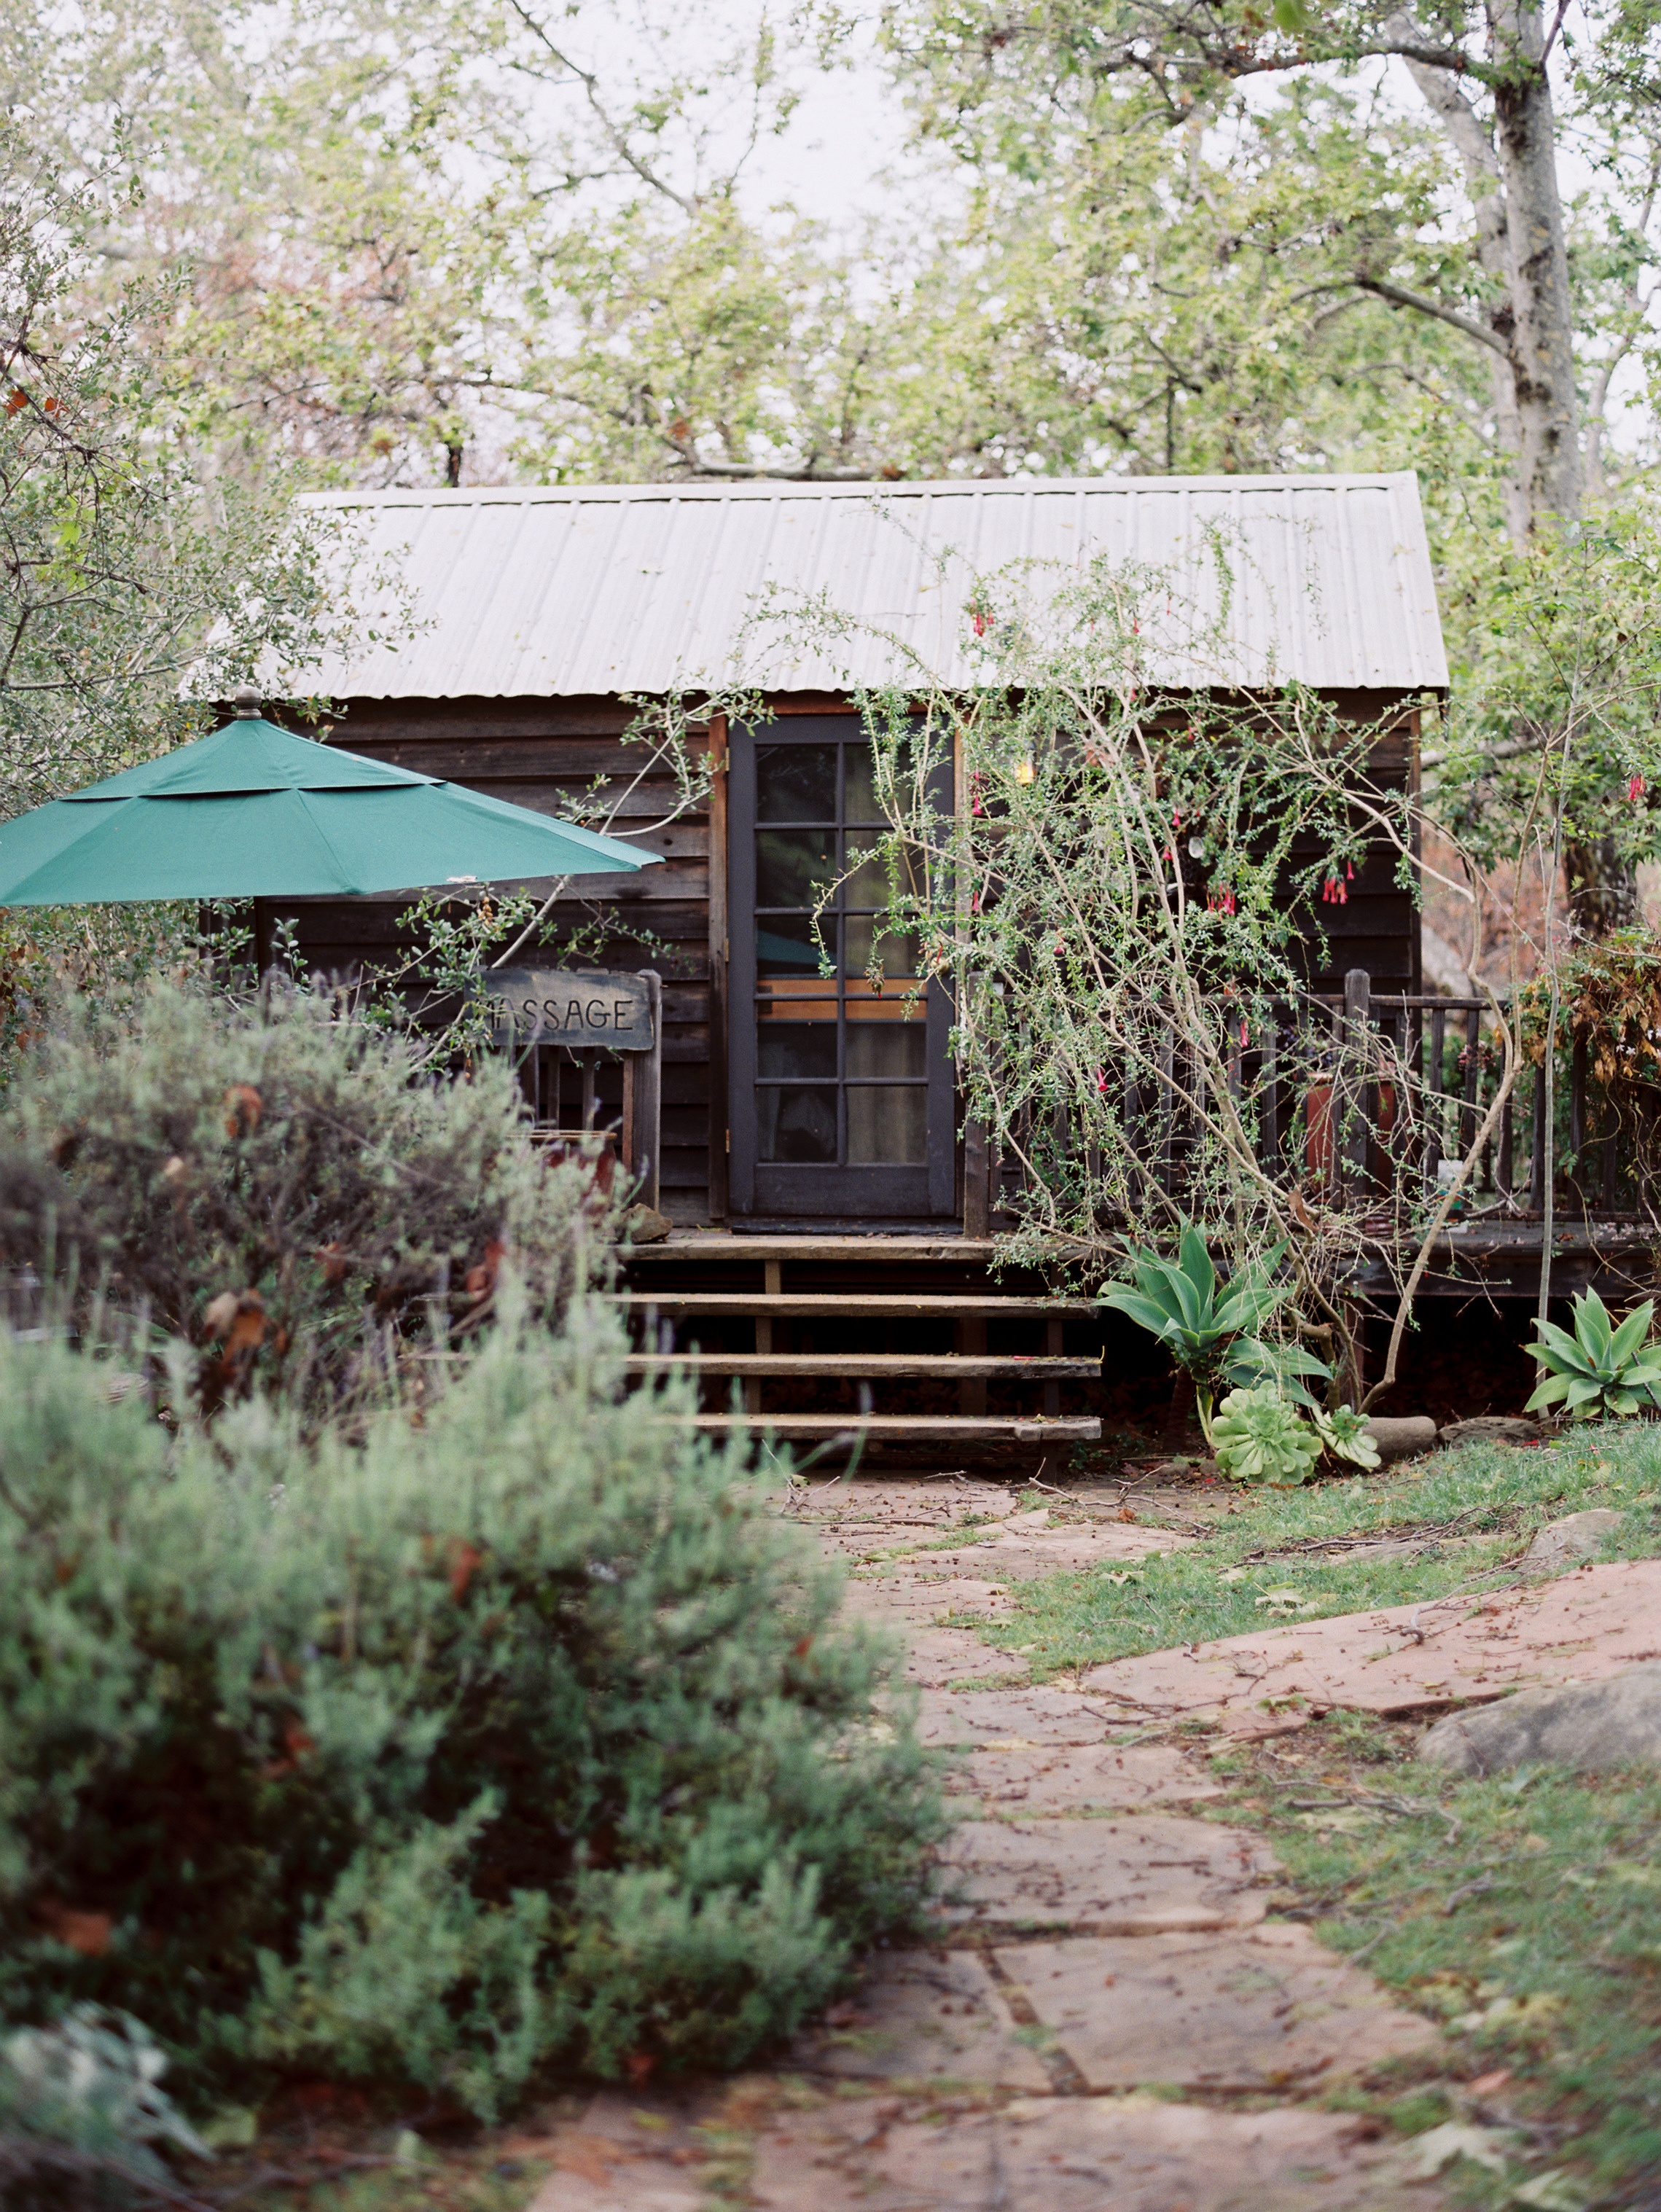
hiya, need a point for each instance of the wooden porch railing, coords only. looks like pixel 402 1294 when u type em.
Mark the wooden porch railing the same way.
pixel 1406 1083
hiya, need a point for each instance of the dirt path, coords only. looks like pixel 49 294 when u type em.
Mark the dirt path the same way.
pixel 1106 2021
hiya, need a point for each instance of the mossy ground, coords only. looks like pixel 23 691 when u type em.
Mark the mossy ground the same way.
pixel 1525 1912
pixel 1470 1512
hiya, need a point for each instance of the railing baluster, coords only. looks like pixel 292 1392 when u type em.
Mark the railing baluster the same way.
pixel 1537 1146
pixel 1469 1120
pixel 1435 1109
pixel 1271 1090
pixel 1167 1114
pixel 1611 1134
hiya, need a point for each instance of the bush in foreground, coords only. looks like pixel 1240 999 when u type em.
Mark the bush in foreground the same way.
pixel 522 1738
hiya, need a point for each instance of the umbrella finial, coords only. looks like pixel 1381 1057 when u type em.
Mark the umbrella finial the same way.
pixel 247 703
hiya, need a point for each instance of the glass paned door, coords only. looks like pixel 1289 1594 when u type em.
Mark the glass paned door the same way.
pixel 840 1091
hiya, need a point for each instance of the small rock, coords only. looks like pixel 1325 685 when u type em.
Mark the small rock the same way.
pixel 1403 1438
pixel 1590 1727
pixel 644 1225
pixel 1576 1537
pixel 1492 1429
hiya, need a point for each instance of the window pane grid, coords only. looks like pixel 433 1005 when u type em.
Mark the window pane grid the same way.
pixel 830 1047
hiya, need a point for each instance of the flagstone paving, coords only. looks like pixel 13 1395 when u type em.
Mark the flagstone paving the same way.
pixel 1591 1624
pixel 1103 1972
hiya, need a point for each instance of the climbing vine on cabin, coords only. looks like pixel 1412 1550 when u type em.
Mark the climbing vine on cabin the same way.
pixel 1126 902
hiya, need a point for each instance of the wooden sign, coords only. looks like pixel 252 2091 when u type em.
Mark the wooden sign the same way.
pixel 544 1006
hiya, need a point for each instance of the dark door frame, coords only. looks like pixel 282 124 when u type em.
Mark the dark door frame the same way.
pixel 925 1193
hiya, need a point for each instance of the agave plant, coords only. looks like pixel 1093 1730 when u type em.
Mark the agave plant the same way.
pixel 1599 1369
pixel 1258 1438
pixel 1211 1329
pixel 1345 1435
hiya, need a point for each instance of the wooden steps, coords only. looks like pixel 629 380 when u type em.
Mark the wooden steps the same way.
pixel 741 1305
pixel 699 1247
pixel 907 1428
pixel 857 1288
pixel 951 1366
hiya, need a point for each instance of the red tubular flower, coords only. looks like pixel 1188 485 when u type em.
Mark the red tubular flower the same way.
pixel 1636 790
pixel 1246 1034
pixel 1349 869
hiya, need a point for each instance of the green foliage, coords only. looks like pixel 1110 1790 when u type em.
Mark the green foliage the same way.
pixel 1557 680
pixel 1599 1369
pixel 1213 1335
pixel 1347 1437
pixel 131 592
pixel 1124 909
pixel 525 1734
pixel 117 574
pixel 282 1185
pixel 1258 1438
pixel 89 2085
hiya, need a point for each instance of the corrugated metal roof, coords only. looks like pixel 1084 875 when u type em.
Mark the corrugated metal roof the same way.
pixel 593 588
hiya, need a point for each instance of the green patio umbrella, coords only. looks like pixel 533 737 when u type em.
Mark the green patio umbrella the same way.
pixel 253 812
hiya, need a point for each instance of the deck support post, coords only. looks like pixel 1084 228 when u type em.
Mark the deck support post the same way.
pixel 972 1344
pixel 642 1101
pixel 976 1180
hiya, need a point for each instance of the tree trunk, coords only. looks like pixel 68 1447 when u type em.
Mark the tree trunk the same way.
pixel 1542 338
pixel 1473 143
pixel 1602 887
pixel 1511 174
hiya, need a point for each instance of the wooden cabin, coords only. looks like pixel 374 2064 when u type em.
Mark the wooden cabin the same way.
pixel 541 613
pixel 798 1113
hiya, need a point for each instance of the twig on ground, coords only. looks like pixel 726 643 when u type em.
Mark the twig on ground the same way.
pixel 1361 1949
pixel 1466 1891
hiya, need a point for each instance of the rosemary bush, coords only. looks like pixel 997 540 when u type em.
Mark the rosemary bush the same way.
pixel 524 1737
pixel 284 1185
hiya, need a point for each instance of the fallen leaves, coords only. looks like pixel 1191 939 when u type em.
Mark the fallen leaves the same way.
pixel 244 1109
pixel 237 1320
pixel 89 1933
pixel 1438 2148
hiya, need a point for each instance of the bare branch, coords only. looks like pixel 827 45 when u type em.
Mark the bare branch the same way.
pixel 616 137
pixel 1420 305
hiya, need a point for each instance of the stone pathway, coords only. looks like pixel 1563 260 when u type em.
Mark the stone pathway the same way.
pixel 1104 2021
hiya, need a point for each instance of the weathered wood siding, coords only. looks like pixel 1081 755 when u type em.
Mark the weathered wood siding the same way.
pixel 542 753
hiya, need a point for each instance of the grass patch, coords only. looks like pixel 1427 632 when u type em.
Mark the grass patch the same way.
pixel 1467 1510
pixel 1525 1912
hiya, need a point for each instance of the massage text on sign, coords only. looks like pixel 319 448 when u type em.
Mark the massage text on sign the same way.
pixel 542 1006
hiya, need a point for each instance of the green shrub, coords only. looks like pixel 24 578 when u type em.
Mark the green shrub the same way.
pixel 519 1737
pixel 1599 1371
pixel 1209 1328
pixel 82 2113
pixel 1258 1438
pixel 1347 1437
pixel 274 1183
